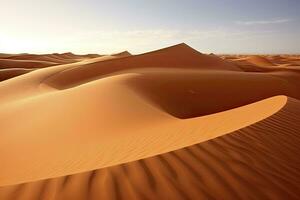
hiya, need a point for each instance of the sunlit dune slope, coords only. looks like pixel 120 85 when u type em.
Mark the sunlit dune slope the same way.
pixel 13 65
pixel 178 56
pixel 28 61
pixel 259 61
pixel 10 68
pixel 84 135
pixel 256 162
pixel 30 84
pixel 164 124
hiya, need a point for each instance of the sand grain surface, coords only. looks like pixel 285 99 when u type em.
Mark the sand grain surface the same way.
pixel 167 124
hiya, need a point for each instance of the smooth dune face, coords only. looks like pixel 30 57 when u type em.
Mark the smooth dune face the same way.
pixel 184 97
pixel 100 132
pixel 136 126
pixel 178 56
pixel 256 162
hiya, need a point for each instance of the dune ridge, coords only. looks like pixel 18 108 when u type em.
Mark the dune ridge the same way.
pixel 34 61
pixel 259 61
pixel 123 54
pixel 144 123
pixel 62 58
pixel 178 56
pixel 265 63
pixel 258 161
pixel 5 63
pixel 168 124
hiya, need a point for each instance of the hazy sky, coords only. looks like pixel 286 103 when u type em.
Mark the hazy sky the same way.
pixel 95 26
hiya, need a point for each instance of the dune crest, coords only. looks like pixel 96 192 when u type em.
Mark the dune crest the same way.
pixel 260 61
pixel 101 132
pixel 255 162
pixel 5 64
pixel 168 124
pixel 122 54
pixel 178 56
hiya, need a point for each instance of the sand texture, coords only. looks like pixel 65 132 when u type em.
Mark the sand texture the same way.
pixel 168 124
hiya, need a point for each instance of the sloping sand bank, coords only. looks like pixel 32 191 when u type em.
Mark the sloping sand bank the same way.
pixel 256 162
pixel 168 124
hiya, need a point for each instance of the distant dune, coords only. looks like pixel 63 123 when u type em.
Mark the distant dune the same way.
pixel 178 56
pixel 122 54
pixel 12 72
pixel 10 63
pixel 267 63
pixel 30 62
pixel 259 61
pixel 168 124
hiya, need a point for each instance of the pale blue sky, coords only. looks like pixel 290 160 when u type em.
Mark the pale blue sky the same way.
pixel 91 26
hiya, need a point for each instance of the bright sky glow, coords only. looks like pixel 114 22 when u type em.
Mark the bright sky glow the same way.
pixel 95 26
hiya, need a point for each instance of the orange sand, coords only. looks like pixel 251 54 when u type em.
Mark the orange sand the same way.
pixel 168 124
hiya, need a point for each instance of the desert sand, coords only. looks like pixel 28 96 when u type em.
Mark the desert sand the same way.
pixel 168 124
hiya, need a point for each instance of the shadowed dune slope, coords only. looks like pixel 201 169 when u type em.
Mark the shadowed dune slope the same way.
pixel 68 55
pixel 45 57
pixel 11 68
pixel 168 124
pixel 178 56
pixel 256 162
pixel 8 63
pixel 279 59
pixel 7 55
pixel 12 72
pixel 119 125
pixel 193 93
pixel 31 84
pixel 56 58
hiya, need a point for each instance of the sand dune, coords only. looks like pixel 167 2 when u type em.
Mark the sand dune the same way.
pixel 178 56
pixel 9 63
pixel 259 161
pixel 46 58
pixel 185 94
pixel 6 55
pixel 144 123
pixel 168 124
pixel 123 54
pixel 12 72
pixel 10 68
pixel 55 57
pixel 259 61
pixel 267 63
pixel 23 63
